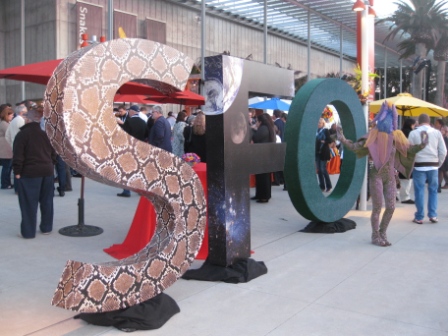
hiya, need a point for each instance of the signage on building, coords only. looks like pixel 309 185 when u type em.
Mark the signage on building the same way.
pixel 89 20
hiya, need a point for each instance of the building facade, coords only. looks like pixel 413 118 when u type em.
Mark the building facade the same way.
pixel 53 30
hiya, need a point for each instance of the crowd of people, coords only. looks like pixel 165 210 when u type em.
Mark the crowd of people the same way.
pixel 30 166
pixel 26 152
pixel 184 133
pixel 177 134
pixel 418 148
pixel 27 155
pixel 187 135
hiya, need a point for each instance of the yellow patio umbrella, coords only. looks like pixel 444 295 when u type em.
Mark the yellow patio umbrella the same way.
pixel 409 106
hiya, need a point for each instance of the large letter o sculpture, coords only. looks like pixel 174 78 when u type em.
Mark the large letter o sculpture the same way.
pixel 300 169
pixel 83 130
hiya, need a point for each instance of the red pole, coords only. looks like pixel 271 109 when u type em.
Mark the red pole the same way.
pixel 372 55
pixel 371 47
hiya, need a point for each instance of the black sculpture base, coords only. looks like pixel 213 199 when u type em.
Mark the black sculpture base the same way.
pixel 242 270
pixel 81 231
pixel 148 315
pixel 340 225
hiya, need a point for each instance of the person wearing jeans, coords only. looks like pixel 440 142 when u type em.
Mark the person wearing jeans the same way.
pixel 406 184
pixel 62 177
pixel 427 163
pixel 6 173
pixel 34 193
pixel 420 177
pixel 33 164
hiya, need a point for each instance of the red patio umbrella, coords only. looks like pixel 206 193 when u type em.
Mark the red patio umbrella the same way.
pixel 41 72
pixel 133 88
pixel 182 97
pixel 132 98
pixel 38 73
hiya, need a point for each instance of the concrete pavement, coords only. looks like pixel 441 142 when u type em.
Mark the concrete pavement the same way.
pixel 317 284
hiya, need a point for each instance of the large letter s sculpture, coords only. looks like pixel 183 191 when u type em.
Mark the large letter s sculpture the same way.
pixel 83 130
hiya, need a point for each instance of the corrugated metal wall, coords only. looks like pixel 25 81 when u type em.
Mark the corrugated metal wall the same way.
pixel 2 50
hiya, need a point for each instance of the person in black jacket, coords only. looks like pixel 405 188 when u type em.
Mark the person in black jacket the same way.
pixel 33 165
pixel 160 132
pixel 280 124
pixel 264 133
pixel 323 155
pixel 136 127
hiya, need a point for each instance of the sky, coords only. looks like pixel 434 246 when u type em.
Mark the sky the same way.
pixel 384 8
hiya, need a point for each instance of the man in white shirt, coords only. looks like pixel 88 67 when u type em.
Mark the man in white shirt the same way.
pixel 16 123
pixel 143 114
pixel 427 163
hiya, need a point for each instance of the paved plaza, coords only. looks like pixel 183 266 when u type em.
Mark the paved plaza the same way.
pixel 317 284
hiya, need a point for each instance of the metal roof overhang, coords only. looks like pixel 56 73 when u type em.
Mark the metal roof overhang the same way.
pixel 290 18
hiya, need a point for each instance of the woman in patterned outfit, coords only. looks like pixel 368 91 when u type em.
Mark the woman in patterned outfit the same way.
pixel 178 139
pixel 388 149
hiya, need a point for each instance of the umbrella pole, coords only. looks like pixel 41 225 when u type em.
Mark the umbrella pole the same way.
pixel 81 230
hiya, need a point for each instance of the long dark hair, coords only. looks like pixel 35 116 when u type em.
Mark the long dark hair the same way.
pixel 407 126
pixel 265 119
pixel 181 116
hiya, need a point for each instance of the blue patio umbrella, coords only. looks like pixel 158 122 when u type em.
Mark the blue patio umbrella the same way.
pixel 271 104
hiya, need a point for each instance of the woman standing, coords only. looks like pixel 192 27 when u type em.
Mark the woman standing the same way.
pixel 178 134
pixel 406 184
pixel 444 174
pixel 6 115
pixel 323 155
pixel 264 133
pixel 195 137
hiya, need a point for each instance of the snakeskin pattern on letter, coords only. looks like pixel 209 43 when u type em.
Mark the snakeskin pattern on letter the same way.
pixel 83 130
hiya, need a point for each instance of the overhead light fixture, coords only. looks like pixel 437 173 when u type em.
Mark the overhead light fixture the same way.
pixel 371 12
pixel 358 6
